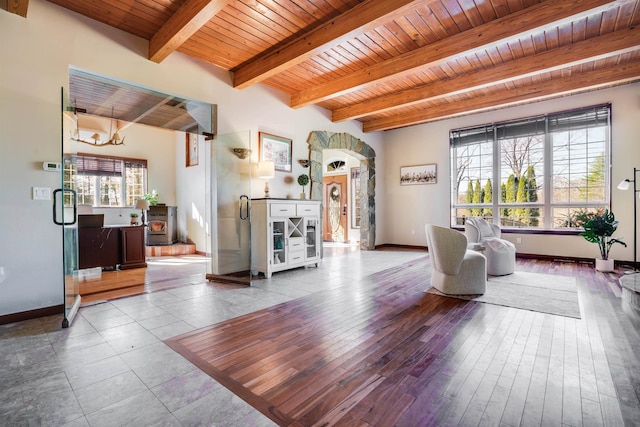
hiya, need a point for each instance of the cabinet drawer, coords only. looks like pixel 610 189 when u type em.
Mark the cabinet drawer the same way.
pixel 303 209
pixel 283 209
pixel 296 257
pixel 296 243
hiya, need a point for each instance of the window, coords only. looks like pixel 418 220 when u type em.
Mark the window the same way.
pixel 103 181
pixel 540 173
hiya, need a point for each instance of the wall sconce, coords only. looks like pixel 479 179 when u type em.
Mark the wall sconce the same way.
pixel 304 163
pixel 143 205
pixel 266 171
pixel 624 185
pixel 242 153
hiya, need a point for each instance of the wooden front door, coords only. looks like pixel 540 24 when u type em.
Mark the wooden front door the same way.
pixel 334 227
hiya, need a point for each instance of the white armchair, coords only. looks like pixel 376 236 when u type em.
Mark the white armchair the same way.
pixel 500 253
pixel 456 270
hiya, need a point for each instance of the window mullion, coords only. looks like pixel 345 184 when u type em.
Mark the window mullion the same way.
pixel 495 180
pixel 548 176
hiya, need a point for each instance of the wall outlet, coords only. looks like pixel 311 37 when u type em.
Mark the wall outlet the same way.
pixel 41 193
pixel 518 239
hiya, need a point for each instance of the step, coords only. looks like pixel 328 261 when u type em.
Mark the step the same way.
pixel 171 250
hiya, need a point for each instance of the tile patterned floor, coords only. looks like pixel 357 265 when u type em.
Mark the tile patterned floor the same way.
pixel 111 368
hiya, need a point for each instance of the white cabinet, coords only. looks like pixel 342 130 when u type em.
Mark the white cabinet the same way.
pixel 285 234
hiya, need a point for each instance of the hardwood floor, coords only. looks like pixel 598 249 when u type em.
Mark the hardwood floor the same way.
pixel 161 273
pixel 383 352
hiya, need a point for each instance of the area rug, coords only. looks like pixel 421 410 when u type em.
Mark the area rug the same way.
pixel 544 293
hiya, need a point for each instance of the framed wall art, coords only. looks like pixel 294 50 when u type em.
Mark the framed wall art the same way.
pixel 192 149
pixel 422 174
pixel 276 149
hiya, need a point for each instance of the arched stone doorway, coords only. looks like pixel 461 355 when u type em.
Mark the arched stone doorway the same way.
pixel 319 141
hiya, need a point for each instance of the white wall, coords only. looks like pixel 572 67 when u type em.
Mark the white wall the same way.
pixel 140 142
pixel 35 57
pixel 409 208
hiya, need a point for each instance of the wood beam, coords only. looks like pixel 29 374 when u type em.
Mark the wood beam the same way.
pixel 188 19
pixel 595 48
pixel 526 20
pixel 362 18
pixel 561 86
pixel 19 7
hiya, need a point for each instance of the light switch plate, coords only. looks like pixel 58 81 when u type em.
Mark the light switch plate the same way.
pixel 41 193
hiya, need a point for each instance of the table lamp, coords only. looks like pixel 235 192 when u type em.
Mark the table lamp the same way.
pixel 143 205
pixel 266 171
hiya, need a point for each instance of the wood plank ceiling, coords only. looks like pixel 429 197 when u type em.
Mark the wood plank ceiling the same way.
pixel 394 63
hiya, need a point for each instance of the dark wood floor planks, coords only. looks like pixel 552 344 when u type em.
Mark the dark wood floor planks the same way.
pixel 383 352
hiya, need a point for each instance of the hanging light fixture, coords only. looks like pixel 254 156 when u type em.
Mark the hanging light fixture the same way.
pixel 115 138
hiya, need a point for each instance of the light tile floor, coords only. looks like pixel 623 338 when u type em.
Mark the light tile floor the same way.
pixel 111 368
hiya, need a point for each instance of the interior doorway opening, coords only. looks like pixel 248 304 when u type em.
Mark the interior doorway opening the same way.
pixel 321 141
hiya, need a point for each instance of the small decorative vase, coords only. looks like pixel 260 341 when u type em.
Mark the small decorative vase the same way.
pixel 605 265
pixel 303 196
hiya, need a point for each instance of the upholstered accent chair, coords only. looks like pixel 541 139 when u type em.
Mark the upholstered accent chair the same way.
pixel 500 253
pixel 456 270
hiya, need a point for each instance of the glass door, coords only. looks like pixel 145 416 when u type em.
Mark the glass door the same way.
pixel 65 213
pixel 230 204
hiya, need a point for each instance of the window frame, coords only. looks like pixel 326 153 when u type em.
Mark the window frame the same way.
pixel 488 133
pixel 125 163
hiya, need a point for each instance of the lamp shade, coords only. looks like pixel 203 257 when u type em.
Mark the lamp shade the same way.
pixel 95 136
pixel 142 204
pixel 266 170
pixel 624 185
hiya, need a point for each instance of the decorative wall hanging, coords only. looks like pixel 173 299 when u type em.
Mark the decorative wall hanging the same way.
pixel 192 149
pixel 423 174
pixel 277 150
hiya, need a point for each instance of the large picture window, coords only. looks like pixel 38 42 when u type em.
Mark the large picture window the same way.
pixel 540 173
pixel 103 181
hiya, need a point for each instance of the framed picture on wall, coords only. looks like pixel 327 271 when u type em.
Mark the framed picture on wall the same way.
pixel 192 149
pixel 423 174
pixel 276 149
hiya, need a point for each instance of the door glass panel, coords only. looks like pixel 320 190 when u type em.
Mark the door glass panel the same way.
pixel 311 241
pixel 230 192
pixel 66 203
pixel 279 247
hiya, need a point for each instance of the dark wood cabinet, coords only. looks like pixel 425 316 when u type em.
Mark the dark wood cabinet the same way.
pixel 110 247
pixel 133 248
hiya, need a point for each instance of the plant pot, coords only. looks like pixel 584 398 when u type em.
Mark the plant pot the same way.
pixel 604 265
pixel 303 196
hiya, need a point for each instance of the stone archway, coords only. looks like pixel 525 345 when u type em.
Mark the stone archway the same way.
pixel 319 141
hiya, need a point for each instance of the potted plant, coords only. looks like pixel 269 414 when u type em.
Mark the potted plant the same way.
pixel 152 198
pixel 134 218
pixel 599 228
pixel 303 180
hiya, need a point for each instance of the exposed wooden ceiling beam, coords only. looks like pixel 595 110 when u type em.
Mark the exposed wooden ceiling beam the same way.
pixel 19 7
pixel 188 19
pixel 526 20
pixel 362 18
pixel 611 44
pixel 560 86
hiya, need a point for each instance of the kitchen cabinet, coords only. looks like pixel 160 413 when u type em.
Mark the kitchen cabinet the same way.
pixel 285 234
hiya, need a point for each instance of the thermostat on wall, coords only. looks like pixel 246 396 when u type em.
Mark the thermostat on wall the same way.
pixel 51 166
